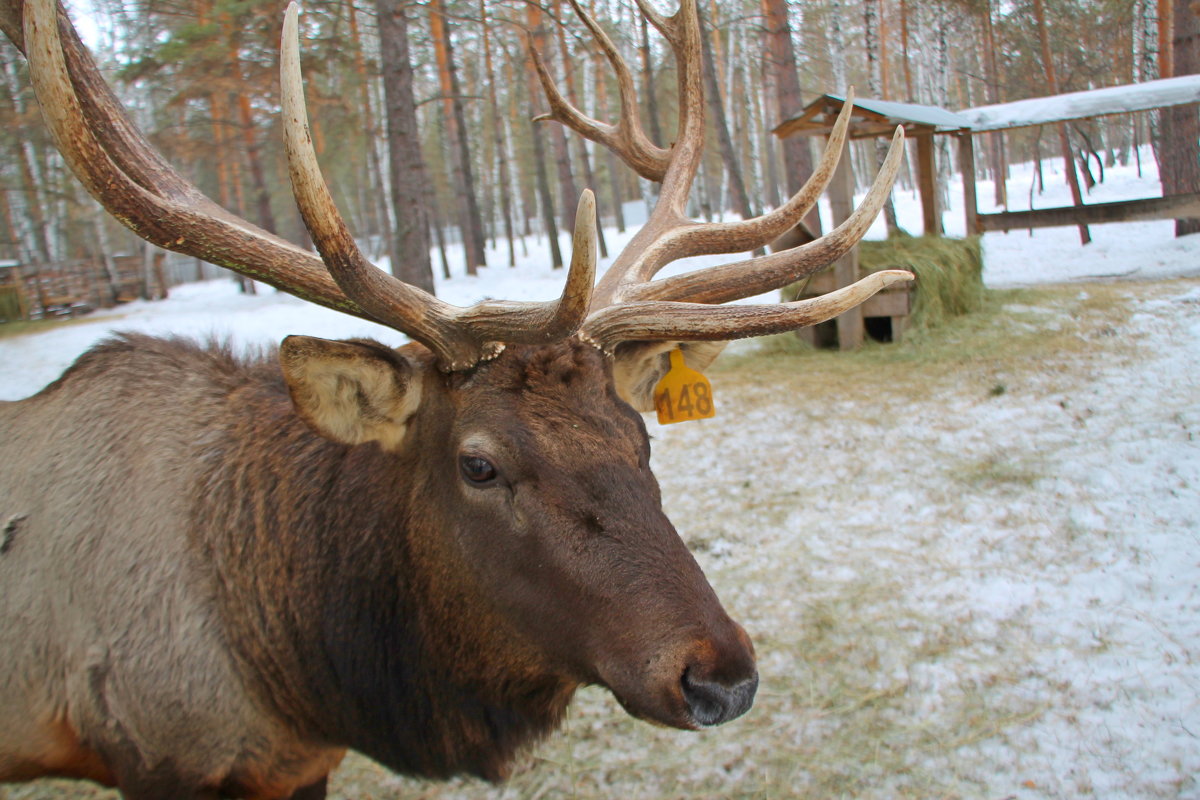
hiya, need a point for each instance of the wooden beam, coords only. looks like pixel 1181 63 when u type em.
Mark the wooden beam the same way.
pixel 966 164
pixel 1173 207
pixel 841 204
pixel 927 183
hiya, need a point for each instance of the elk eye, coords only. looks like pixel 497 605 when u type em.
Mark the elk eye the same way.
pixel 476 469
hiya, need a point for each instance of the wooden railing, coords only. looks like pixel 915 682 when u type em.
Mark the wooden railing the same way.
pixel 1173 207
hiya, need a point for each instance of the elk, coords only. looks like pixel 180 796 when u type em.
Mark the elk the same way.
pixel 221 572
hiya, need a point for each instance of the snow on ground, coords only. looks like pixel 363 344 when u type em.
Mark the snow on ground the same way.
pixel 1041 543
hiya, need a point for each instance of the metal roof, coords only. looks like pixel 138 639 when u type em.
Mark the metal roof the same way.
pixel 871 117
pixel 1082 105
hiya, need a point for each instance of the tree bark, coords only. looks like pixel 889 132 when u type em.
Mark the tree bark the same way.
pixel 610 162
pixel 992 93
pixel 1064 141
pixel 875 89
pixel 585 162
pixel 648 93
pixel 797 156
pixel 406 167
pixel 717 109
pixel 498 136
pixel 470 222
pixel 262 196
pixel 545 196
pixel 377 214
pixel 1180 165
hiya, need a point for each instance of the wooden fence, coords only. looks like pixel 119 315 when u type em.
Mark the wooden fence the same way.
pixel 68 288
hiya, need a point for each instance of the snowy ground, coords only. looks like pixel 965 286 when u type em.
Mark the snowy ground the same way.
pixel 965 577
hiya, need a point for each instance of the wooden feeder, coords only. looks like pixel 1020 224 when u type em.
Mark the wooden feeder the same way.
pixel 871 119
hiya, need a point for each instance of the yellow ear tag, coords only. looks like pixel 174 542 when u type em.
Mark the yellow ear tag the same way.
pixel 682 394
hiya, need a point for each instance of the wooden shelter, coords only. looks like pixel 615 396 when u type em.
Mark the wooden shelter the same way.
pixel 872 118
pixel 1127 99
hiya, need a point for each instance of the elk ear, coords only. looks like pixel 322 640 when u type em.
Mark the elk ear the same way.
pixel 351 391
pixel 639 366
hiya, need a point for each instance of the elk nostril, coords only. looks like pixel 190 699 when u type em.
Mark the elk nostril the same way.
pixel 712 702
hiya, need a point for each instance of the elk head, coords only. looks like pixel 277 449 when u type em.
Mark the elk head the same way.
pixel 520 417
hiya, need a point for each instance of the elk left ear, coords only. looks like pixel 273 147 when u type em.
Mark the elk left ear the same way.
pixel 351 391
pixel 639 366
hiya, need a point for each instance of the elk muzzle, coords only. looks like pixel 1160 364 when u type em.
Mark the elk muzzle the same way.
pixel 717 691
pixel 708 681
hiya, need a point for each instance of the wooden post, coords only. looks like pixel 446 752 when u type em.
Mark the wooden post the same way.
pixel 927 182
pixel 966 163
pixel 845 270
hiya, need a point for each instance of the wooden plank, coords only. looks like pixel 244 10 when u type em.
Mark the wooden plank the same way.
pixel 966 165
pixel 888 304
pixel 927 183
pixel 841 203
pixel 1172 207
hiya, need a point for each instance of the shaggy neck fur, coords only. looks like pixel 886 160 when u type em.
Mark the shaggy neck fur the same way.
pixel 317 554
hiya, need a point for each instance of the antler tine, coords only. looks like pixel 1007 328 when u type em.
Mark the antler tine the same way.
pixel 388 300
pixel 744 235
pixel 130 179
pixel 627 138
pixel 695 322
pixel 741 279
pixel 629 306
pixel 459 337
pixel 654 241
pixel 682 238
pixel 667 26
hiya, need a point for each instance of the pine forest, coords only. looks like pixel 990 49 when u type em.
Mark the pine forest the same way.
pixel 426 114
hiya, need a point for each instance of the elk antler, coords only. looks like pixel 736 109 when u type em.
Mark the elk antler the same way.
pixel 628 304
pixel 132 180
pixel 137 186
pixel 459 336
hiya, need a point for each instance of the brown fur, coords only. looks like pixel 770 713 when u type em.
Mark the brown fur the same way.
pixel 206 598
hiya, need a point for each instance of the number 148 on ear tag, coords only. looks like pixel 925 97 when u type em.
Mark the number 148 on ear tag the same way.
pixel 683 393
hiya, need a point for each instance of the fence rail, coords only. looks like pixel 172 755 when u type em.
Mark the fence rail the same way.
pixel 1179 206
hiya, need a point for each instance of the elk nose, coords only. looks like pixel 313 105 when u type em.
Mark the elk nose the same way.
pixel 713 702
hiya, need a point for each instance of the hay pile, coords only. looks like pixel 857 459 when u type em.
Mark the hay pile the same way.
pixel 949 275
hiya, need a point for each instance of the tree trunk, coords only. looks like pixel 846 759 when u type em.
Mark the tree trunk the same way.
pixel 498 136
pixel 717 110
pixel 992 93
pixel 1180 166
pixel 229 188
pixel 406 167
pixel 568 194
pixel 648 84
pixel 589 179
pixel 875 89
pixel 262 195
pixel 470 222
pixel 379 223
pixel 1063 138
pixel 837 47
pixel 1166 39
pixel 539 153
pixel 908 81
pixel 797 156
pixel 610 158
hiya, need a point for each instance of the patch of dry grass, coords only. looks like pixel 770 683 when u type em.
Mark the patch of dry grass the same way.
pixel 25 327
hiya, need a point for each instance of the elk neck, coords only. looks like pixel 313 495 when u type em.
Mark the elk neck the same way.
pixel 342 602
